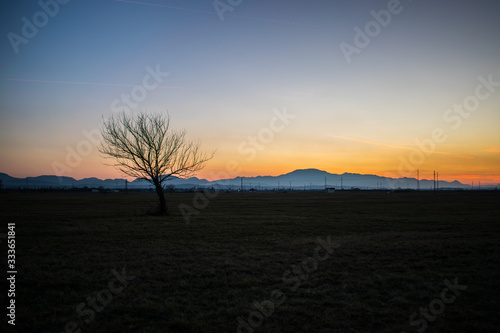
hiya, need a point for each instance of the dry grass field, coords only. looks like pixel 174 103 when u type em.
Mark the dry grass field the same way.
pixel 94 262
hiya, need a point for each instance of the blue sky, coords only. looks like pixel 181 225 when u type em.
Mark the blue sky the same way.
pixel 226 78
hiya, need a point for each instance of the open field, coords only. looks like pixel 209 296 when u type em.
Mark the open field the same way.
pixel 392 256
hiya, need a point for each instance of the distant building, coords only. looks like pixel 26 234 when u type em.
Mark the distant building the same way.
pixel 330 190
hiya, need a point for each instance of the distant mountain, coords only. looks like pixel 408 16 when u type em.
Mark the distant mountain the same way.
pixel 318 179
pixel 58 182
pixel 92 182
pixel 298 179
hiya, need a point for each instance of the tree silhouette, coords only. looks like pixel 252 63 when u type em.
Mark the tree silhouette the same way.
pixel 144 146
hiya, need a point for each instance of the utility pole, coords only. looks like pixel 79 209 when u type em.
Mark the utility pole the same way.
pixel 241 178
pixel 437 180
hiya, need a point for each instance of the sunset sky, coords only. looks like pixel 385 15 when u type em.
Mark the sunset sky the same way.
pixel 419 90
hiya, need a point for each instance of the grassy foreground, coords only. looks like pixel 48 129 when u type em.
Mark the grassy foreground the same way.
pixel 93 262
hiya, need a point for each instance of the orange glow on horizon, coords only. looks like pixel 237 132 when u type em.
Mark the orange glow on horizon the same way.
pixel 349 157
pixel 215 173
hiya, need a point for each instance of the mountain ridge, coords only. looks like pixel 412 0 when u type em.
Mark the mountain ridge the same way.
pixel 300 178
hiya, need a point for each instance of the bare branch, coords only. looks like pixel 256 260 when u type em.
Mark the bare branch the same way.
pixel 145 147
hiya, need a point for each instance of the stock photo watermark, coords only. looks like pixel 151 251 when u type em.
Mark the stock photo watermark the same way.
pixel 222 6
pixel 126 101
pixel 30 28
pixel 372 29
pixel 292 278
pixel 436 307
pixel 11 273
pixel 139 93
pixel 265 136
pixel 251 146
pixel 454 116
pixel 86 311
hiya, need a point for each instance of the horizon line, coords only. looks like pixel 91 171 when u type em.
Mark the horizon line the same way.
pixel 283 174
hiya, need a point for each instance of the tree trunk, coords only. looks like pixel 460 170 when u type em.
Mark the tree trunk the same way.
pixel 162 208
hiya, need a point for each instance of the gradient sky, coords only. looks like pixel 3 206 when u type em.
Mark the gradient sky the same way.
pixel 228 78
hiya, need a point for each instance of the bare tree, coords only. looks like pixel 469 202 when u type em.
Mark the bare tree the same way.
pixel 145 147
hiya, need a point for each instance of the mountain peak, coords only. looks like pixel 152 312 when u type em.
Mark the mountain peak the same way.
pixel 310 171
pixel 300 178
